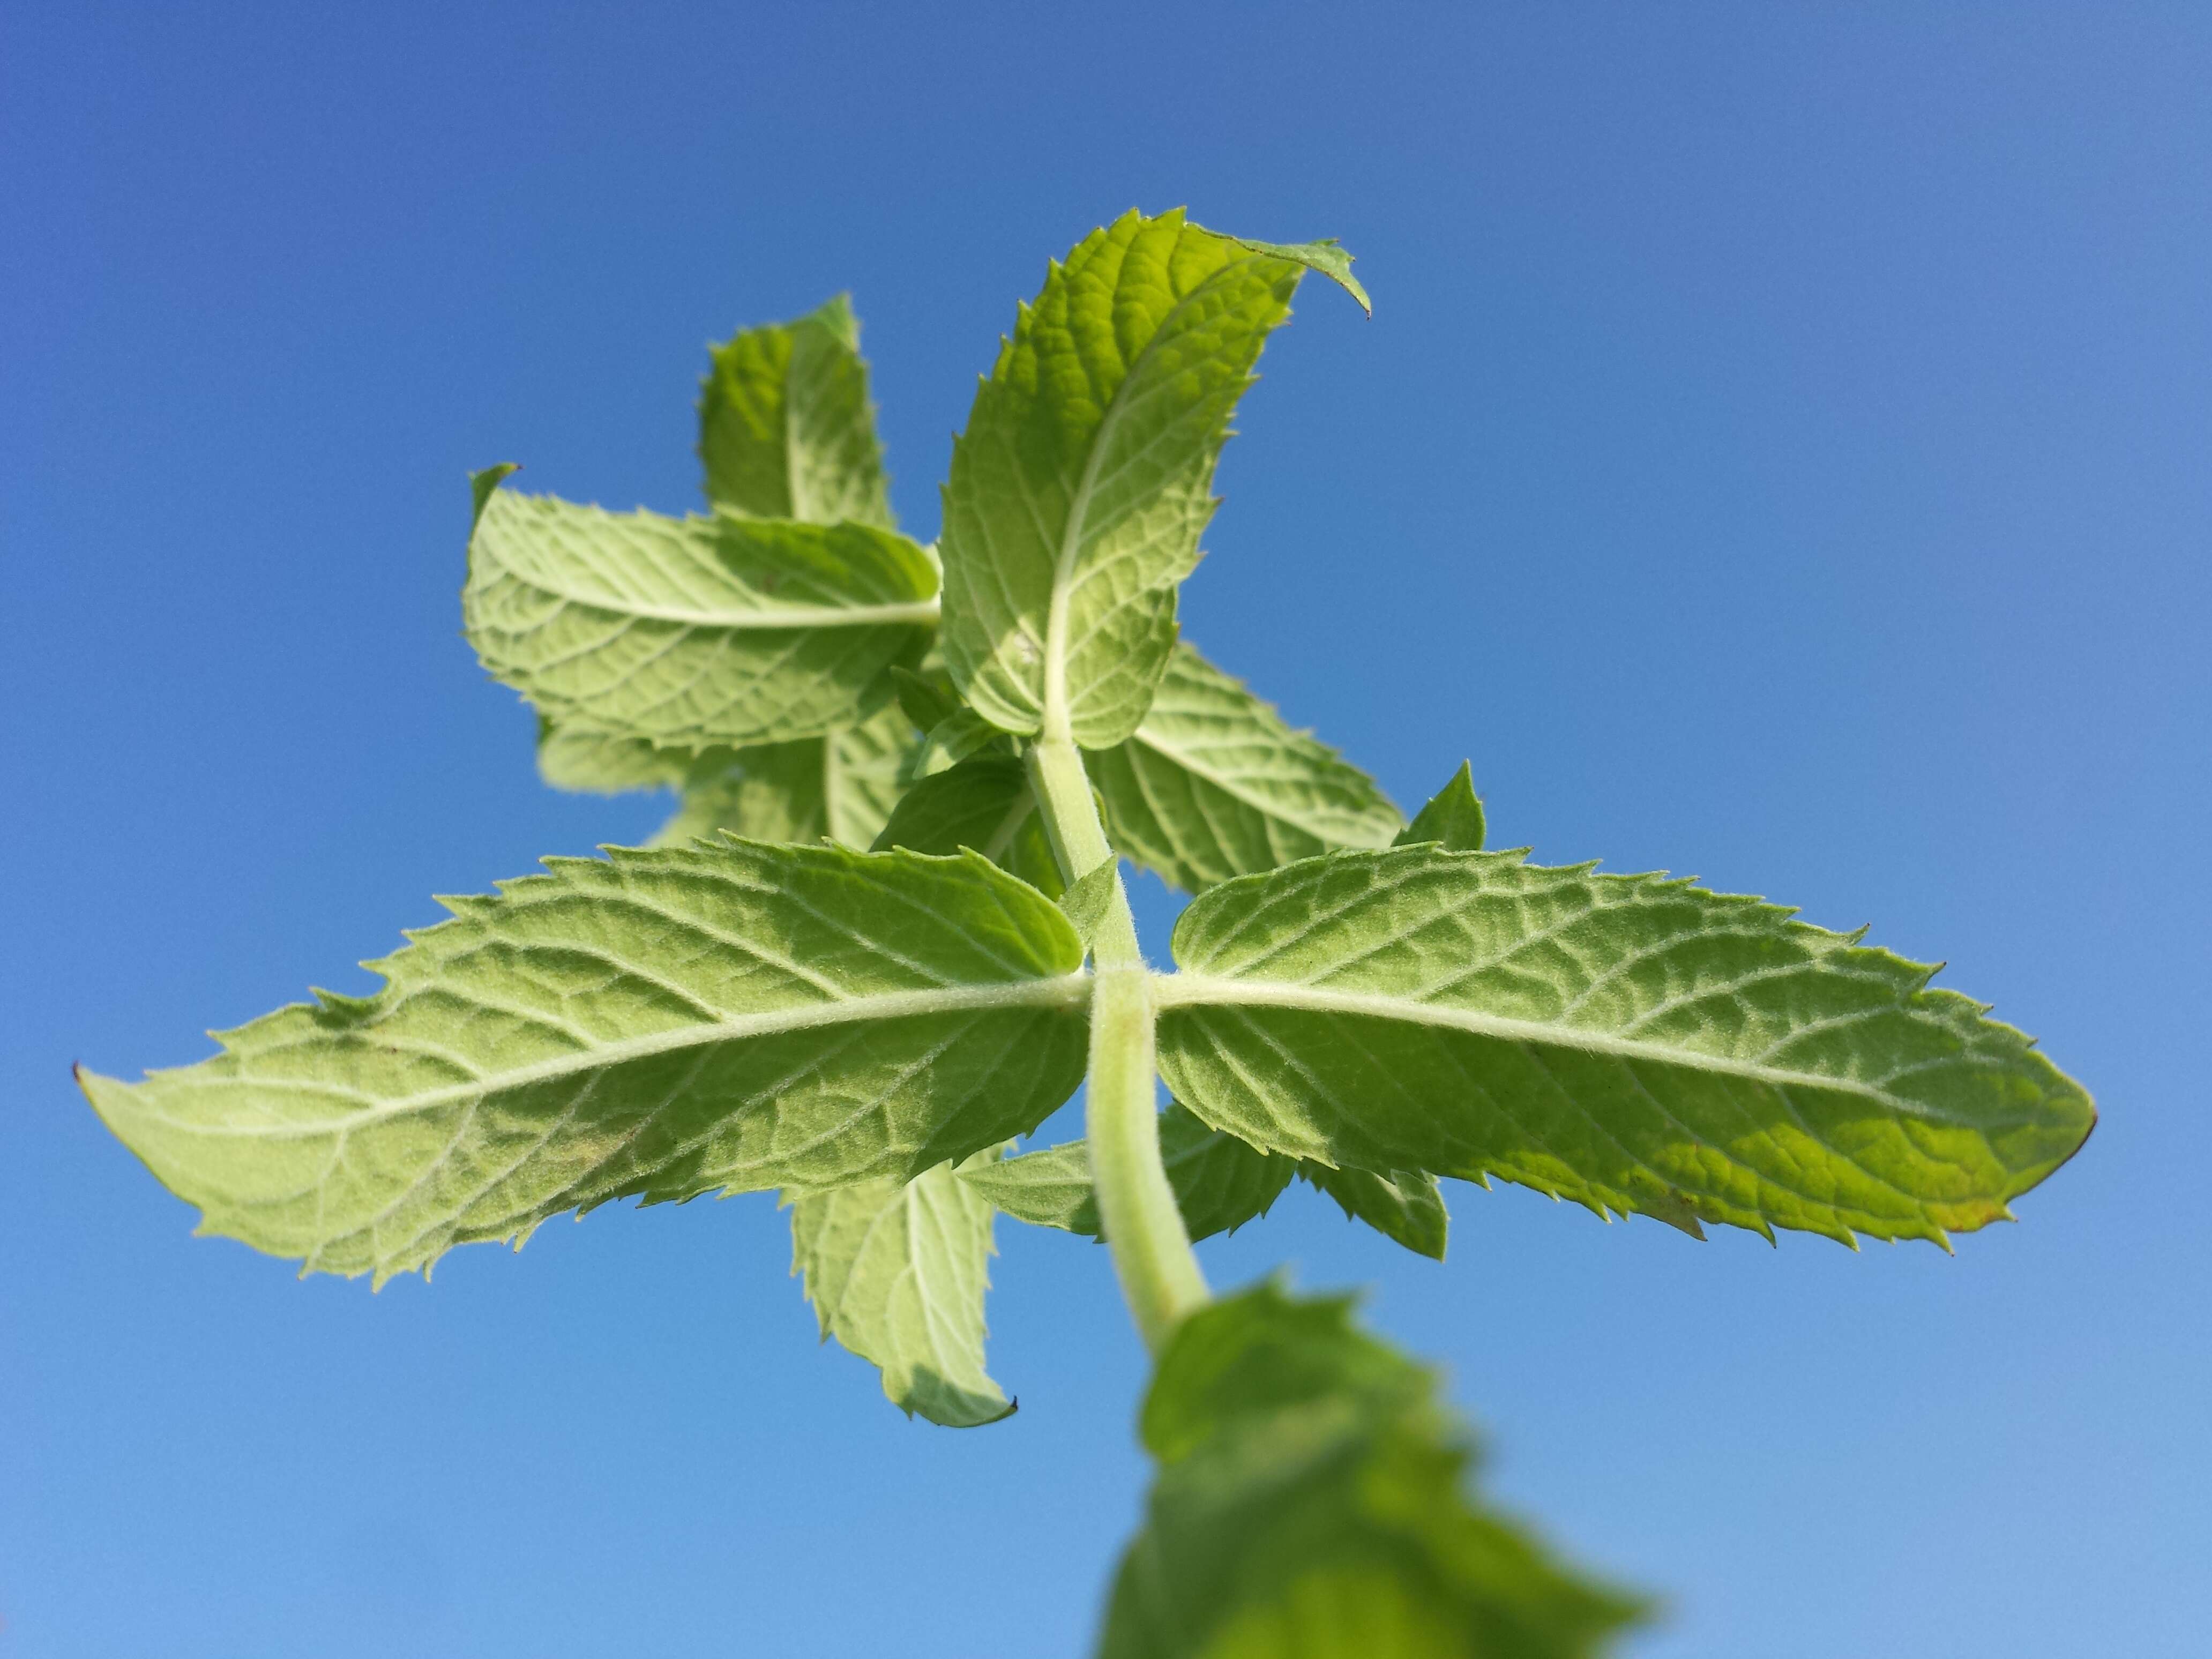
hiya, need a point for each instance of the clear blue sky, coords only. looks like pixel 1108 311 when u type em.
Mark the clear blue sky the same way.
pixel 1780 452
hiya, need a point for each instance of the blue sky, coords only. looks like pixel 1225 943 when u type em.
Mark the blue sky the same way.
pixel 1779 453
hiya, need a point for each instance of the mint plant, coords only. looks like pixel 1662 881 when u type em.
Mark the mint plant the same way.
pixel 885 935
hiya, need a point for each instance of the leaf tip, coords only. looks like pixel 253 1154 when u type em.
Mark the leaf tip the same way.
pixel 484 483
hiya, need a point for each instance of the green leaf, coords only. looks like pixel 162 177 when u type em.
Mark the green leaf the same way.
pixel 1406 1205
pixel 578 759
pixel 1219 1182
pixel 985 804
pixel 1327 256
pixel 690 632
pixel 1090 897
pixel 842 787
pixel 1048 1188
pixel 1084 476
pixel 926 695
pixel 1310 1505
pixel 896 1272
pixel 1629 1042
pixel 953 739
pixel 1214 785
pixel 730 1017
pixel 1452 819
pixel 786 429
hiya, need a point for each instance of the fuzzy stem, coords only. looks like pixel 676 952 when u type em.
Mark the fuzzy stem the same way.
pixel 1143 1225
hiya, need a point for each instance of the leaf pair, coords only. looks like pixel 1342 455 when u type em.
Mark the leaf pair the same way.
pixel 1222 1182
pixel 734 1017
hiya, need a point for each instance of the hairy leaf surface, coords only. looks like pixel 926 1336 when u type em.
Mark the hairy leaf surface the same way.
pixel 725 1017
pixel 1083 479
pixel 1632 1043
pixel 786 429
pixel 1214 785
pixel 1310 1505
pixel 689 632
pixel 1219 1182
pixel 896 1272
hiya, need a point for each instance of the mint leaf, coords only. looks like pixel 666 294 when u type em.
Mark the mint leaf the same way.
pixel 690 632
pixel 729 1016
pixel 589 763
pixel 1220 1183
pixel 1089 897
pixel 985 804
pixel 953 739
pixel 1452 819
pixel 786 429
pixel 896 1272
pixel 1629 1042
pixel 1214 785
pixel 1083 479
pixel 842 787
pixel 1326 256
pixel 926 695
pixel 1048 1188
pixel 1310 1505
pixel 1406 1205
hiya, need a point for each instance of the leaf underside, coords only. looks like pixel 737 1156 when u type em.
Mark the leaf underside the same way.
pixel 841 786
pixel 1213 784
pixel 1310 1505
pixel 720 1018
pixel 985 804
pixel 896 1272
pixel 785 431
pixel 1635 1043
pixel 1084 477
pixel 691 632
pixel 786 427
pixel 1406 1205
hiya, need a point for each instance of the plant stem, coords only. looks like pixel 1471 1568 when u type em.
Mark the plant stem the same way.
pixel 1160 1276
